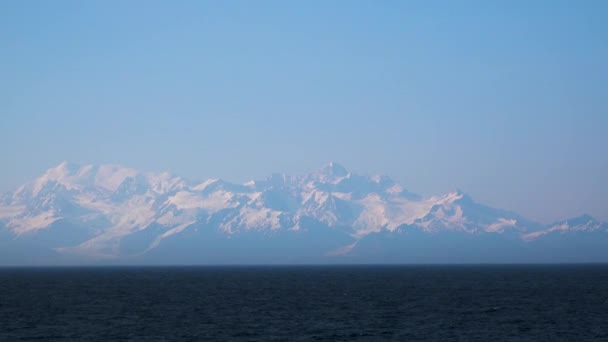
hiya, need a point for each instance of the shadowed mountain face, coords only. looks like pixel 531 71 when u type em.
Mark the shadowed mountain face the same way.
pixel 108 213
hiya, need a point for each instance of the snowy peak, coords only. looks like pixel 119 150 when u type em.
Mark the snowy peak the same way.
pixel 333 170
pixel 583 223
pixel 457 211
pixel 329 174
pixel 64 169
pixel 72 177
pixel 64 175
pixel 276 181
pixel 110 177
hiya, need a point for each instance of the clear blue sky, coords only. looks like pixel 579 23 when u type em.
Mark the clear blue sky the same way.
pixel 507 100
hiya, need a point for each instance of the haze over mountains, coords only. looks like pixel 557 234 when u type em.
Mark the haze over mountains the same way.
pixel 112 214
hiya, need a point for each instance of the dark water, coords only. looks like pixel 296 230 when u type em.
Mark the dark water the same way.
pixel 405 303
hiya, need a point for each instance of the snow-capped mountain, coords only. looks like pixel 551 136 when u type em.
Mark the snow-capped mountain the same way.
pixel 581 224
pixel 115 212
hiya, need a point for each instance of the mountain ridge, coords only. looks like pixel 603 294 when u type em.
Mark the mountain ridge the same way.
pixel 111 204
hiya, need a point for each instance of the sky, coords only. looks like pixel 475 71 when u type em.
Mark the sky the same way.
pixel 506 100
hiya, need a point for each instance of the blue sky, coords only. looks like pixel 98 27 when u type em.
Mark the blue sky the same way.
pixel 507 100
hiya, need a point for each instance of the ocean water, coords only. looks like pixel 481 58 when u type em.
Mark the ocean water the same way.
pixel 318 303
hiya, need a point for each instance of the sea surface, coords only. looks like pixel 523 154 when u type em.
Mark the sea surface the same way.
pixel 318 303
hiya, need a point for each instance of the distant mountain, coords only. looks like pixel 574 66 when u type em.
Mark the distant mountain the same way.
pixel 109 213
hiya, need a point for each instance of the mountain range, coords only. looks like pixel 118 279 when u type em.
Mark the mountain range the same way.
pixel 79 214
